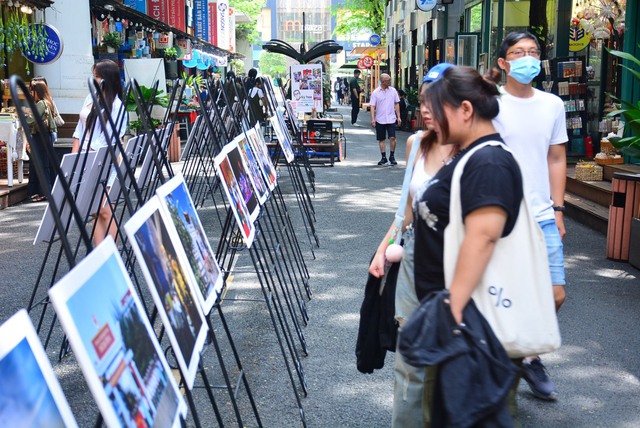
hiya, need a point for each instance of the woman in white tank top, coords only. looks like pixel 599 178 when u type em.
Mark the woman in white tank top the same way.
pixel 409 380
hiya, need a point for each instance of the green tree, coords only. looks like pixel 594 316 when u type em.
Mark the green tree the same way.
pixel 273 64
pixel 354 16
pixel 251 8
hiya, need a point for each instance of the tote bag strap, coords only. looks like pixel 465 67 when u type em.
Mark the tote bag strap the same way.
pixel 405 187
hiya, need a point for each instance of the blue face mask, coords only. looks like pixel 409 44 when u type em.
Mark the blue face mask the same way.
pixel 524 69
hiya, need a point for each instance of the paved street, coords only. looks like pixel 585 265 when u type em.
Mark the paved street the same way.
pixel 597 370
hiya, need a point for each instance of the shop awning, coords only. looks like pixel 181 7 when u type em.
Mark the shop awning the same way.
pixel 118 10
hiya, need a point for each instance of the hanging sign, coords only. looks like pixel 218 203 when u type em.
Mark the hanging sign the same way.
pixel 360 64
pixel 426 5
pixel 52 48
pixel 165 41
pixel 183 46
pixel 374 40
pixel 579 38
pixel 367 61
pixel 201 19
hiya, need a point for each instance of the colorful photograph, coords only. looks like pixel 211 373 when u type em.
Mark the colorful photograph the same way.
pixel 250 163
pixel 243 179
pixel 30 395
pixel 261 152
pixel 114 343
pixel 176 201
pixel 281 134
pixel 155 243
pixel 232 190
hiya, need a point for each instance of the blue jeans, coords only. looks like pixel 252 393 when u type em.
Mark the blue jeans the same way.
pixel 554 251
pixel 409 380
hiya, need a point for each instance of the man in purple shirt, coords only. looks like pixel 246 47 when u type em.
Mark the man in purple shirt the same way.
pixel 385 113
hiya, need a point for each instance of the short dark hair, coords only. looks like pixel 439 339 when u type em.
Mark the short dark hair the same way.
pixel 401 93
pixel 458 84
pixel 513 38
pixel 356 71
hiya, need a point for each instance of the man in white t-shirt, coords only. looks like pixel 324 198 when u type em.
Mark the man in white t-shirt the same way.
pixel 385 113
pixel 533 124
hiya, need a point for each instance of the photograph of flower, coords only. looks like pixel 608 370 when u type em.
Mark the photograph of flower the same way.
pixel 176 201
pixel 114 343
pixel 261 151
pixel 234 195
pixel 30 395
pixel 156 245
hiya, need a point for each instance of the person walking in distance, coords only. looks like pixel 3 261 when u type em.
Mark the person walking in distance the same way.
pixel 385 113
pixel 533 125
pixel 354 90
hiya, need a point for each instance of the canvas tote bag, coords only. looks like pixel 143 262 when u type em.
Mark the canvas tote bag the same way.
pixel 515 293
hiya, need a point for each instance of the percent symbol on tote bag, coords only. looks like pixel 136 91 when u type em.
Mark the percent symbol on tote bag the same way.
pixel 494 291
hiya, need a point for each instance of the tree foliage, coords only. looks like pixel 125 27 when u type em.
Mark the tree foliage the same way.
pixel 251 8
pixel 273 64
pixel 354 16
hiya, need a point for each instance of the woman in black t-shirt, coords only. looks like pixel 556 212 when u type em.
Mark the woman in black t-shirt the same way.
pixel 462 105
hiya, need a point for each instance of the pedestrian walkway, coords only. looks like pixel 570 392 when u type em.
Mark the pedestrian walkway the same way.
pixel 597 370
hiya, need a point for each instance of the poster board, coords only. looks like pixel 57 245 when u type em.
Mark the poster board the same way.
pixel 261 152
pixel 160 254
pixel 114 343
pixel 234 196
pixel 306 88
pixel 146 71
pixel 29 388
pixel 177 203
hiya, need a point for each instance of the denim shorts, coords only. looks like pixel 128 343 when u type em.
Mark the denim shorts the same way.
pixel 554 251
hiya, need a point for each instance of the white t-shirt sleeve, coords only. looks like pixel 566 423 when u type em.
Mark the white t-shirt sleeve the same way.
pixel 372 100
pixel 559 135
pixel 397 98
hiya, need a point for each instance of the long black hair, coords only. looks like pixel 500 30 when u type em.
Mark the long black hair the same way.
pixel 111 87
pixel 458 84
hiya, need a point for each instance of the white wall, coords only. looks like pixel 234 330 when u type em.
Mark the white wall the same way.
pixel 67 77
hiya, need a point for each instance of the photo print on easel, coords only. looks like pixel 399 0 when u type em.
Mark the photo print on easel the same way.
pixel 234 195
pixel 250 163
pixel 243 178
pixel 176 201
pixel 114 343
pixel 285 144
pixel 165 267
pixel 30 394
pixel 261 151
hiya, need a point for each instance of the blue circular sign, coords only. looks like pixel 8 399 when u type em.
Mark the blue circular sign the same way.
pixel 426 5
pixel 374 40
pixel 54 45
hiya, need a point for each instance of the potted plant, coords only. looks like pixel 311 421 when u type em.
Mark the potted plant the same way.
pixel 170 63
pixel 112 41
pixel 159 100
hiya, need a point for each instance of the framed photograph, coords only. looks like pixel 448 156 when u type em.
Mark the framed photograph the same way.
pixel 282 135
pixel 30 394
pixel 482 63
pixel 450 51
pixel 250 163
pixel 114 343
pixel 243 178
pixel 176 201
pixel 261 151
pixel 234 195
pixel 161 256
